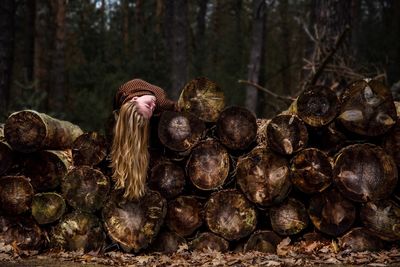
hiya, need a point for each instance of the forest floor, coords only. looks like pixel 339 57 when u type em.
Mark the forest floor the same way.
pixel 306 254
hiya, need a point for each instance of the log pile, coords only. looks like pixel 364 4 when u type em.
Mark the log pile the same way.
pixel 219 178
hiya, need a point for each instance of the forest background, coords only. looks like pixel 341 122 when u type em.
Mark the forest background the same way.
pixel 68 58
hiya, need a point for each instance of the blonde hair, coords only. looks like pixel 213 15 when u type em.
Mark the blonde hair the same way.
pixel 129 152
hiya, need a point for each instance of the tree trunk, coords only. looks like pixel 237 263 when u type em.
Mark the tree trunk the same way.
pixel 331 213
pixel 253 74
pixel 16 194
pixel 286 45
pixel 184 215
pixel 200 48
pixel 7 34
pixel 47 207
pixel 168 179
pixel 230 215
pixel 47 168
pixel 85 188
pixel 208 241
pixel 89 149
pixel 364 172
pixel 29 131
pixel 208 165
pixel 286 134
pixel 125 26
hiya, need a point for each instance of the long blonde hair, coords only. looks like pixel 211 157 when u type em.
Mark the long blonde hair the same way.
pixel 129 152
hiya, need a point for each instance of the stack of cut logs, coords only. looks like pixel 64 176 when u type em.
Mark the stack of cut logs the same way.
pixel 219 178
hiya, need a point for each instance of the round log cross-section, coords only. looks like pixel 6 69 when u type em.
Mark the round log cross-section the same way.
pixel 311 171
pixel 264 241
pixel 263 176
pixel 78 231
pixel 382 219
pixel 167 178
pixel 203 98
pixel 364 172
pixel 85 188
pixel 237 128
pixel 89 149
pixel 317 106
pixel 359 239
pixel 209 241
pixel 208 165
pixel 29 131
pixel 134 224
pixel 16 193
pixel 47 168
pixel 286 134
pixel 180 131
pixel 368 108
pixel 47 207
pixel 229 214
pixel 184 215
pixel 167 242
pixel 331 213
pixel 289 217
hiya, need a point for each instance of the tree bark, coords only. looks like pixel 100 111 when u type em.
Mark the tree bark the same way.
pixel 7 35
pixel 200 52
pixel 253 73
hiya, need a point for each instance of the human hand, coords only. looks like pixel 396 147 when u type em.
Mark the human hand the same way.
pixel 145 105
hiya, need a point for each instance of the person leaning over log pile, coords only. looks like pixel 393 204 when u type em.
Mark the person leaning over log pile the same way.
pixel 135 103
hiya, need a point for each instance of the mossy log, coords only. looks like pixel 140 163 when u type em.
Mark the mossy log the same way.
pixel 286 134
pixel 16 193
pixel 358 240
pixel 367 108
pixel 364 172
pixel 6 152
pixel 382 219
pixel 311 171
pixel 184 216
pixel 168 179
pixel 203 98
pixel 316 106
pixel 21 232
pixel 331 213
pixel 180 131
pixel 289 217
pixel 85 188
pixel 237 128
pixel 229 214
pixel 134 224
pixel 263 176
pixel 78 231
pixel 29 131
pixel 48 207
pixel 89 149
pixel 209 241
pixel 167 242
pixel 264 241
pixel 47 168
pixel 391 143
pixel 208 165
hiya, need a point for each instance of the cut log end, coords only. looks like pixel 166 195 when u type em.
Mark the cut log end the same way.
pixel 167 178
pixel 263 241
pixel 359 239
pixel 16 193
pixel 167 242
pixel 47 207
pixel 209 241
pixel 89 149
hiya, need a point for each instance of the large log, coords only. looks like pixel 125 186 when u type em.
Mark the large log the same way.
pixel 382 219
pixel 89 149
pixel 85 188
pixel 29 131
pixel 208 165
pixel 364 172
pixel 229 214
pixel 16 193
pixel 263 176
pixel 134 224
pixel 236 128
pixel 209 241
pixel 184 215
pixel 367 108
pixel 289 217
pixel 317 106
pixel 6 152
pixel 47 168
pixel 311 171
pixel 78 231
pixel 264 241
pixel 203 98
pixel 286 134
pixel 167 242
pixel 168 178
pixel 48 207
pixel 180 131
pixel 331 213
pixel 358 239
